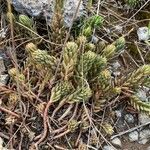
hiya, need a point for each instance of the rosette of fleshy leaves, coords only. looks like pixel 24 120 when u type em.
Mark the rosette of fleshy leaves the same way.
pixel 16 75
pixel 60 90
pixel 85 63
pixel 28 25
pixel 80 94
pixel 69 60
pixel 137 77
pixel 132 3
pixel 138 104
pixel 99 64
pixel 40 58
pixel 114 49
pixel 104 80
pixel 91 23
pixel 90 65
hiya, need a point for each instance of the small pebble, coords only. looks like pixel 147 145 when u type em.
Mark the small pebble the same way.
pixel 3 79
pixel 143 118
pixel 1 144
pixel 116 65
pixel 129 118
pixel 2 33
pixel 119 28
pixel 116 142
pixel 133 136
pixel 143 33
pixel 144 136
pixel 94 39
pixel 142 95
pixel 143 141
pixel 107 147
pixel 118 113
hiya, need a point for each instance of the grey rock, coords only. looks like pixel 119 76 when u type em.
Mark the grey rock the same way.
pixel 129 118
pixel 107 147
pixel 45 9
pixel 143 33
pixel 143 118
pixel 116 142
pixel 144 136
pixel 3 79
pixel 133 136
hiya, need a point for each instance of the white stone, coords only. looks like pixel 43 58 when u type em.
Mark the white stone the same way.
pixel 142 95
pixel 143 118
pixel 116 142
pixel 3 79
pixel 144 136
pixel 2 33
pixel 129 118
pixel 107 147
pixel 116 65
pixel 116 73
pixel 143 141
pixel 95 39
pixel 133 136
pixel 143 33
pixel 119 28
pixel 45 8
pixel 118 113
pixel 1 144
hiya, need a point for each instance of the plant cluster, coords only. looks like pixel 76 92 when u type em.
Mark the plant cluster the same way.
pixel 68 83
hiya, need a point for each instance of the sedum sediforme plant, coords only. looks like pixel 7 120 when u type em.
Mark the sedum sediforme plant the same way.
pixel 81 94
pixel 60 90
pixel 27 23
pixel 91 23
pixel 132 3
pixel 114 49
pixel 133 81
pixel 138 77
pixel 140 105
pixel 16 75
pixel 69 60
pixel 40 58
pixel 85 63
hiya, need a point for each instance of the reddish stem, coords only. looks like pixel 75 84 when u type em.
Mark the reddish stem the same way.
pixel 9 112
pixel 43 136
